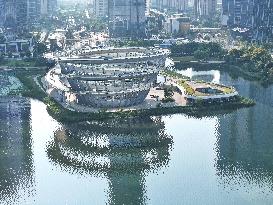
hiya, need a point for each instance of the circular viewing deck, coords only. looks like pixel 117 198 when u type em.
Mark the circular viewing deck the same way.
pixel 106 78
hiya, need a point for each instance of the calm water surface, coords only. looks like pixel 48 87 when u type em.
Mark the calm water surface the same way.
pixel 224 159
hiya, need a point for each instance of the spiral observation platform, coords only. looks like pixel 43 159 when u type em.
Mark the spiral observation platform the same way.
pixel 105 78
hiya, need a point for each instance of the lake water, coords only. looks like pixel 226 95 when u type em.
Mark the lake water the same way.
pixel 224 159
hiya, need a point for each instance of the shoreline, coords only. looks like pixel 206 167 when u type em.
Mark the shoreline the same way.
pixel 232 69
pixel 64 115
pixel 32 88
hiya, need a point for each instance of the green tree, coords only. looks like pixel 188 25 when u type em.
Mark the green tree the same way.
pixel 2 57
pixel 2 38
pixel 69 34
pixel 168 92
pixel 22 54
pixel 28 54
pixel 39 49
pixel 10 54
pixel 234 54
pixel 201 55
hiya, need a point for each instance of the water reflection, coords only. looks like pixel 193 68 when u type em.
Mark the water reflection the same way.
pixel 16 163
pixel 244 155
pixel 244 147
pixel 122 151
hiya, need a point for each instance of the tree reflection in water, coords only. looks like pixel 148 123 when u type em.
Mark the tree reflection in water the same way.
pixel 123 151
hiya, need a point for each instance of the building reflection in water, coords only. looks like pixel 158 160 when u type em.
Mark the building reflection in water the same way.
pixel 123 151
pixel 245 142
pixel 16 163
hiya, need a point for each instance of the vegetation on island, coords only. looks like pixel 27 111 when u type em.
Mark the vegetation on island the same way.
pixel 62 114
pixel 31 89
pixel 250 61
pixel 173 74
pixel 183 81
pixel 168 94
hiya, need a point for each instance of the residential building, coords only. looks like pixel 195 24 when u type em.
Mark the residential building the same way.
pixel 177 24
pixel 262 24
pixel 21 13
pixel 177 5
pixel 127 18
pixel 101 8
pixel 254 16
pixel 205 8
pixel 2 11
pixel 51 6
pixel 237 13
pixel 148 7
pixel 44 7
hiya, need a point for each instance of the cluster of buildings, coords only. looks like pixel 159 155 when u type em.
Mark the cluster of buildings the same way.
pixel 205 8
pixel 129 17
pixel 252 16
pixel 130 8
pixel 16 46
pixel 126 17
pixel 21 13
pixel 175 5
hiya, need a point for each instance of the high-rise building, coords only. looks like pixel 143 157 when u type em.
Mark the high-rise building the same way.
pixel 51 6
pixel 20 13
pixel 205 8
pixel 148 6
pixel 127 18
pixel 8 12
pixel 2 11
pixel 47 7
pixel 255 15
pixel 44 7
pixel 262 24
pixel 178 5
pixel 100 8
pixel 237 12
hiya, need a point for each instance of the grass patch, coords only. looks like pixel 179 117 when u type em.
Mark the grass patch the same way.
pixel 189 90
pixel 19 63
pixel 173 74
pixel 30 87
